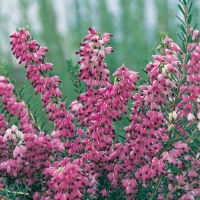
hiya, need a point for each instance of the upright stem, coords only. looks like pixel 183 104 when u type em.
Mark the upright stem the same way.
pixel 157 186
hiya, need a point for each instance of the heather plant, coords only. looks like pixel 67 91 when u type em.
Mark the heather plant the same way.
pixel 86 156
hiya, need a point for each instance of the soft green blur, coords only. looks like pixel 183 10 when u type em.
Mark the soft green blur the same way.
pixel 61 25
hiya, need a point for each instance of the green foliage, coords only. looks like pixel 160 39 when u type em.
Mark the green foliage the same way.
pixel 15 191
pixel 78 85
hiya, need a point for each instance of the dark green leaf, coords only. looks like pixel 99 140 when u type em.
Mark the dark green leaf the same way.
pixel 180 57
pixel 190 18
pixel 34 106
pixel 28 100
pixel 182 28
pixel 35 113
pixel 190 6
pixel 181 9
pixel 187 59
pixel 184 48
pixel 181 2
pixel 190 38
pixel 2 111
pixel 42 125
pixel 174 131
pixel 185 121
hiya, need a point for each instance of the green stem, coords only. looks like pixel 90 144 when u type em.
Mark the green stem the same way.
pixel 121 194
pixel 14 192
pixel 157 186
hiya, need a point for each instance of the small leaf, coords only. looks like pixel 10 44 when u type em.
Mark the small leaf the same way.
pixel 174 131
pixel 181 38
pixel 184 48
pixel 181 9
pixel 21 91
pixel 188 58
pixel 190 18
pixel 190 38
pixel 181 2
pixel 2 111
pixel 38 121
pixel 28 100
pixel 34 106
pixel 190 6
pixel 185 121
pixel 35 113
pixel 42 125
pixel 182 28
pixel 180 57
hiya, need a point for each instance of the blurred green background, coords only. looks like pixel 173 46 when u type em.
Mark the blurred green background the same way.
pixel 62 24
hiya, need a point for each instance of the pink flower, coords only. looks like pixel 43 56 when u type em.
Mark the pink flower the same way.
pixel 104 193
pixel 192 173
pixel 195 34
pixel 190 117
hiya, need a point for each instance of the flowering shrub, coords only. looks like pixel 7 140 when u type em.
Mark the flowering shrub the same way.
pixel 86 157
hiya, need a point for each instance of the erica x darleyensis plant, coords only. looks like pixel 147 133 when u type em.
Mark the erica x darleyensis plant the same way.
pixel 157 158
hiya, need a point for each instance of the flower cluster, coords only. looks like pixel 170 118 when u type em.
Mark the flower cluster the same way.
pixel 67 180
pixel 14 107
pixel 11 159
pixel 32 55
pixel 93 69
pixel 156 158
pixel 149 131
pixel 23 156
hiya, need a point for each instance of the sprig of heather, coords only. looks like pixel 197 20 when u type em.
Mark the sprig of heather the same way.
pixel 28 51
pixel 154 137
pixel 16 107
pixel 164 111
pixel 23 158
pixel 65 180
pixel 98 107
pixel 32 55
pixel 93 69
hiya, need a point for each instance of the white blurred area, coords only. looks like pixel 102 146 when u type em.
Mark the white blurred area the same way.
pixel 12 16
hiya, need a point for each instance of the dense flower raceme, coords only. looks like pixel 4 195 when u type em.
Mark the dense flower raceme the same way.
pixel 14 107
pixel 68 180
pixel 149 128
pixel 29 52
pixel 97 110
pixel 23 156
pixel 159 145
pixel 92 54
pixel 32 55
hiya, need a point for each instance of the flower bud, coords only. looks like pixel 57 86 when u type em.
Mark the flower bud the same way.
pixel 164 71
pixel 198 126
pixel 170 117
pixel 174 114
pixel 170 127
pixel 190 117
